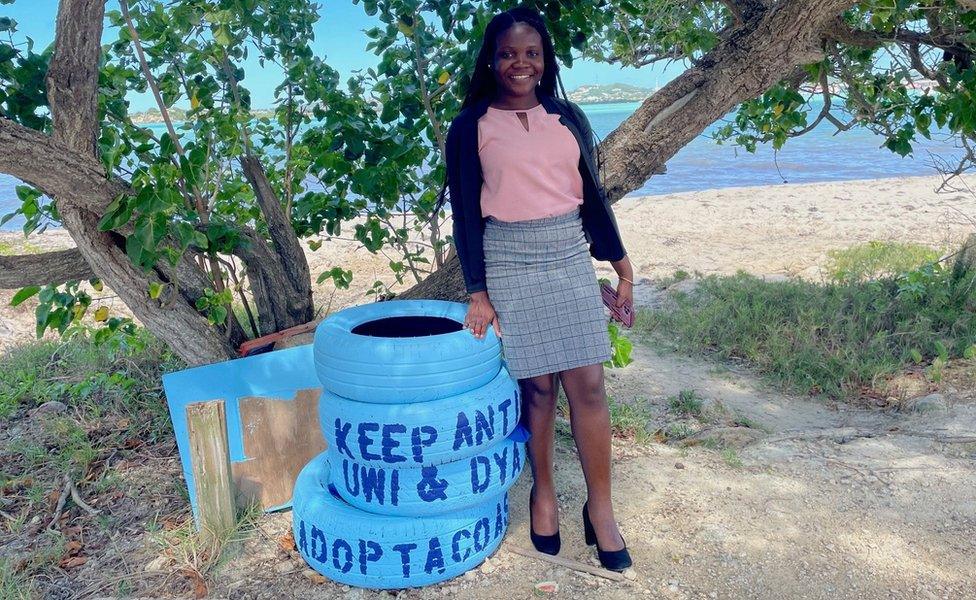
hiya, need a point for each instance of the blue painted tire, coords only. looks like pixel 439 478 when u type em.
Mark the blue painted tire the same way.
pixel 421 434
pixel 434 490
pixel 383 552
pixel 395 370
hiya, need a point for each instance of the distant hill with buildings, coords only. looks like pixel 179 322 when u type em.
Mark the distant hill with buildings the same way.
pixel 613 92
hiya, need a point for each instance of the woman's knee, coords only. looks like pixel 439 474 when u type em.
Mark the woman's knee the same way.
pixel 584 385
pixel 538 390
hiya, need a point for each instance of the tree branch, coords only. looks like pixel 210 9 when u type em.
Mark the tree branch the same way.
pixel 750 60
pixel 56 169
pixel 42 269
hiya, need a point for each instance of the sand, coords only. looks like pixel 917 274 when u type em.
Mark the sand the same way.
pixel 770 230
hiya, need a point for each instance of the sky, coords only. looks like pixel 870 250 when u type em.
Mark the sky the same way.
pixel 339 39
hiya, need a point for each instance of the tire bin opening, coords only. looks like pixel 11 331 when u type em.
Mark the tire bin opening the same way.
pixel 405 327
pixel 403 351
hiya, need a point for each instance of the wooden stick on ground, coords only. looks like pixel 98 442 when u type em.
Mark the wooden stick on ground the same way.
pixel 76 497
pixel 575 565
pixel 65 491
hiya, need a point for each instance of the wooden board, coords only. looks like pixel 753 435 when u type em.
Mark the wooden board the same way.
pixel 280 437
pixel 272 381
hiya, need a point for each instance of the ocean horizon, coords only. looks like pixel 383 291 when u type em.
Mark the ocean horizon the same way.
pixel 821 155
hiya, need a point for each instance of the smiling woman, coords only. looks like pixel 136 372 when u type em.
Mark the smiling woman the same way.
pixel 526 199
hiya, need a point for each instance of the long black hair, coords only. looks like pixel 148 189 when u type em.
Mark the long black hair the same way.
pixel 483 84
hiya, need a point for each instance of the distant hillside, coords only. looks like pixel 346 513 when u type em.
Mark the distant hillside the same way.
pixel 151 116
pixel 614 92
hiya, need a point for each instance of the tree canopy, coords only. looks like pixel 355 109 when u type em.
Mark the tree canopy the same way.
pixel 209 214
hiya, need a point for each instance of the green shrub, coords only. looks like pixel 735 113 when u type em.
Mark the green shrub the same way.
pixel 620 348
pixel 877 259
pixel 118 376
pixel 832 339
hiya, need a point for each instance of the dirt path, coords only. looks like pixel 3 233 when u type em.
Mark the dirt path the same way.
pixel 828 502
pixel 818 501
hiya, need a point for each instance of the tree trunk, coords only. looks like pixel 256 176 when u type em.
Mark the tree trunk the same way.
pixel 72 93
pixel 282 277
pixel 170 318
pixel 768 44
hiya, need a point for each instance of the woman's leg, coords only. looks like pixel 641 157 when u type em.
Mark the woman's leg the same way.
pixel 590 420
pixel 539 417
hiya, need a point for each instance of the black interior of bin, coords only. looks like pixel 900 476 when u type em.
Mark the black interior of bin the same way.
pixel 401 327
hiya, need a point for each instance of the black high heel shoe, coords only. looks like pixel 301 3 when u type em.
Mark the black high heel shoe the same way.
pixel 613 560
pixel 546 544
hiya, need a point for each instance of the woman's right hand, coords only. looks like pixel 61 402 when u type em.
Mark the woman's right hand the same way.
pixel 480 315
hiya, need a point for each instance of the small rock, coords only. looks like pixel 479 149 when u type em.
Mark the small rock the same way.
pixel 630 575
pixel 547 587
pixel 283 568
pixel 314 577
pixel 51 407
pixel 931 403
pixel 678 465
pixel 157 565
pixel 487 567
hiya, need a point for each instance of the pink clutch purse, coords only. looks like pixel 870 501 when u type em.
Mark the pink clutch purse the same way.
pixel 624 314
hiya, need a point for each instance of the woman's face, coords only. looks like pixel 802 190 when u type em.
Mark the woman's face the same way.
pixel 518 63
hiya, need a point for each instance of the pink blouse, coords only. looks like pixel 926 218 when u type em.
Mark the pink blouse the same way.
pixel 527 174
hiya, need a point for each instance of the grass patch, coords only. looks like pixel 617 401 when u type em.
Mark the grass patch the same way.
pixel 876 260
pixel 198 553
pixel 677 431
pixel 8 249
pixel 14 585
pixel 687 402
pixel 629 420
pixel 119 378
pixel 731 458
pixel 838 338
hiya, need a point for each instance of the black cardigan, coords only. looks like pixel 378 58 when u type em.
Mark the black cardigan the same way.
pixel 464 182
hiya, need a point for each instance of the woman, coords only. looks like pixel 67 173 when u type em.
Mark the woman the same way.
pixel 525 197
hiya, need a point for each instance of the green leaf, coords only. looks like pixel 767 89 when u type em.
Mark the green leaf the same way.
pixel 222 36
pixel 24 294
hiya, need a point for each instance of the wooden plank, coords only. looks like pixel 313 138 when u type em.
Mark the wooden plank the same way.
pixel 279 437
pixel 210 460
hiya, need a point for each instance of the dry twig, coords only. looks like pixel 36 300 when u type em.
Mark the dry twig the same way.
pixel 568 563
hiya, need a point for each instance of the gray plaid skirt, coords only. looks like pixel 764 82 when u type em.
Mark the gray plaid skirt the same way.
pixel 544 290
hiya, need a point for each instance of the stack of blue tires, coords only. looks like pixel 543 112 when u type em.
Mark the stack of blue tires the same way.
pixel 421 420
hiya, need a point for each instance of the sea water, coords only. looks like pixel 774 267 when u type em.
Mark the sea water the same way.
pixel 823 154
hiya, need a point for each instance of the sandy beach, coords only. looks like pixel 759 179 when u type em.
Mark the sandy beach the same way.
pixel 784 229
